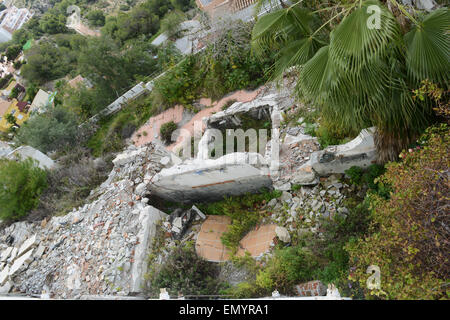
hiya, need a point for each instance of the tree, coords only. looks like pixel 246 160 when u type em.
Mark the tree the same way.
pixel 11 119
pixel 46 62
pixel 170 24
pixel 361 76
pixel 31 91
pixel 96 18
pixel 183 5
pixel 52 23
pixel 14 93
pixel 21 183
pixel 55 129
pixel 139 21
pixel 13 51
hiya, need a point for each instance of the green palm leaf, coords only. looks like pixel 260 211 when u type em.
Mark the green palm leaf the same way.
pixel 353 44
pixel 428 47
pixel 274 29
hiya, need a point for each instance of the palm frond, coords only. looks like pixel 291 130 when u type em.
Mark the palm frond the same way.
pixel 275 29
pixel 353 43
pixel 428 47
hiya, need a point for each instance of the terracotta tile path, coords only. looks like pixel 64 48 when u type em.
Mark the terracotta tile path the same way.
pixel 175 114
pixel 210 247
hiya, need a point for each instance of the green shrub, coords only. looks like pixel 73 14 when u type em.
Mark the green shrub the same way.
pixel 355 173
pixel 288 267
pixel 409 242
pixel 358 176
pixel 21 183
pixel 55 129
pixel 166 131
pixel 223 67
pixel 184 271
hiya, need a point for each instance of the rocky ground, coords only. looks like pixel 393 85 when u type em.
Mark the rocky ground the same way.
pixel 94 249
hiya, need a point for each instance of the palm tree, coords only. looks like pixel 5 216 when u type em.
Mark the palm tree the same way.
pixel 357 74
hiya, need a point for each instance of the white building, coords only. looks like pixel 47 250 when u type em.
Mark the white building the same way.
pixel 13 18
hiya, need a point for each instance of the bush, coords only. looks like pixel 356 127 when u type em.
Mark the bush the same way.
pixel 166 131
pixel 70 184
pixel 288 267
pixel 184 271
pixel 360 177
pixel 55 129
pixel 21 184
pixel 96 18
pixel 410 235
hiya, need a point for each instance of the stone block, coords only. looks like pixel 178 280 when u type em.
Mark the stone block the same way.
pixel 199 213
pixel 359 152
pixel 5 254
pixel 25 259
pixel 27 245
pixel 4 274
pixel 283 234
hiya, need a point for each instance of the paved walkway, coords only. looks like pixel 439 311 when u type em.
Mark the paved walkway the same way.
pixel 150 131
pixel 210 247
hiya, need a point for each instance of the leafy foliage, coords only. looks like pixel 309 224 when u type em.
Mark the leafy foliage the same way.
pixel 224 66
pixel 21 183
pixel 360 75
pixel 96 18
pixel 55 129
pixel 409 239
pixel 183 271
pixel 166 131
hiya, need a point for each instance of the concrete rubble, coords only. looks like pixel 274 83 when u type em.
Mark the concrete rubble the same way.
pixel 98 249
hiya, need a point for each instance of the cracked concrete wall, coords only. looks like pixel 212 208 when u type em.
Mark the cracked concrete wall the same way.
pixel 360 152
pixel 198 179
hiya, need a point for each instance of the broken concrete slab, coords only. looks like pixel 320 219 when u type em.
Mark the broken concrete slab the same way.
pixel 199 213
pixel 291 139
pixel 359 152
pixel 305 175
pixel 196 179
pixel 4 275
pixel 6 288
pixel 177 223
pixel 5 254
pixel 24 152
pixel 13 255
pixel 20 262
pixel 39 251
pixel 148 218
pixel 27 245
pixel 141 189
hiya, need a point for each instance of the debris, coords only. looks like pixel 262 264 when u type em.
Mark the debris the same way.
pixel 283 234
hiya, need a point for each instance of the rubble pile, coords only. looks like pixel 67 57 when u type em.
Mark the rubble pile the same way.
pixel 298 210
pixel 98 249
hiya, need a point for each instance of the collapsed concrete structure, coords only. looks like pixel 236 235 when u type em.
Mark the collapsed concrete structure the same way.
pixel 289 157
pixel 100 248
pixel 194 180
